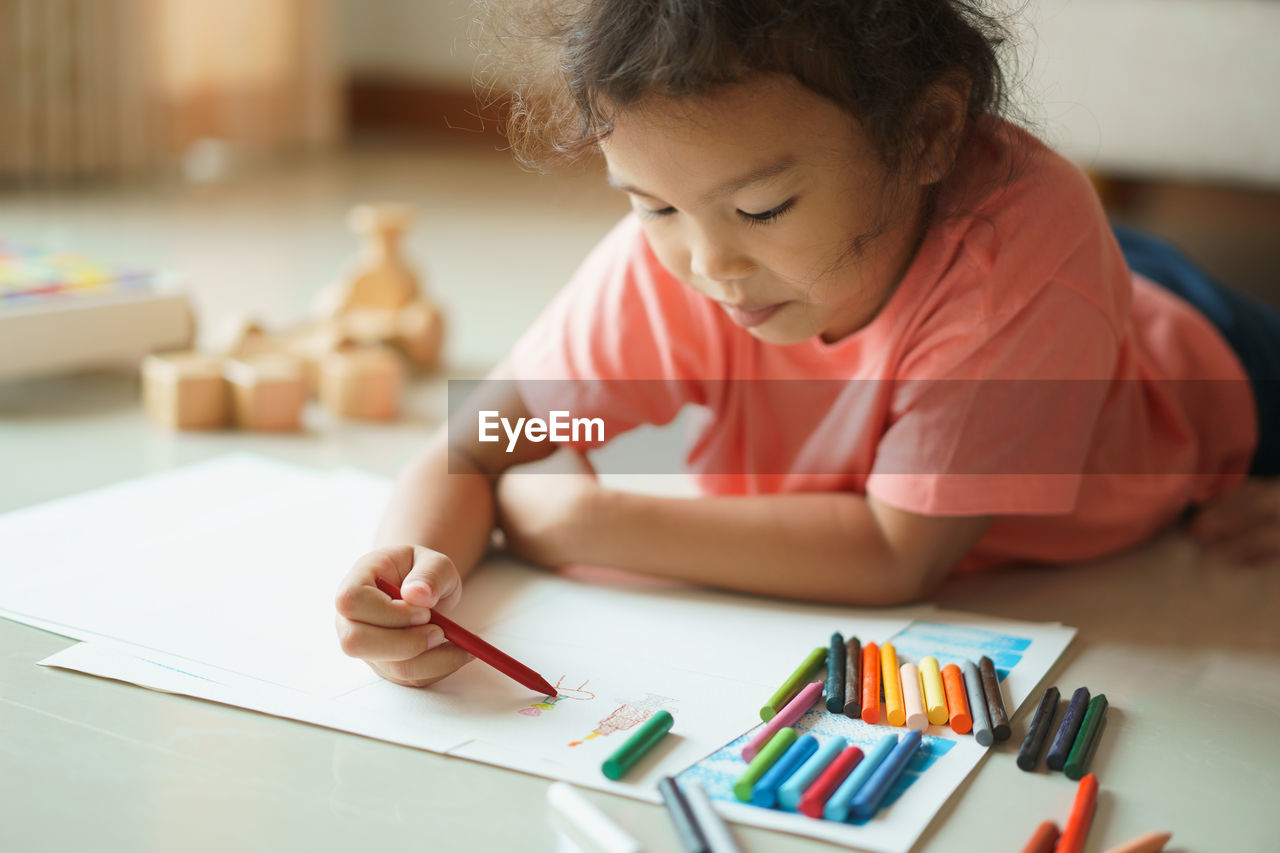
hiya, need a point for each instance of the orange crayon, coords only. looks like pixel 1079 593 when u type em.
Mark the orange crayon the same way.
pixel 1045 838
pixel 871 683
pixel 893 707
pixel 1077 827
pixel 957 704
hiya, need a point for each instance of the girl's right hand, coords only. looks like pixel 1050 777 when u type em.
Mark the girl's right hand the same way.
pixel 396 638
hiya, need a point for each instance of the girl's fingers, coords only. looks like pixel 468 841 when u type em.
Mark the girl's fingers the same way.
pixel 432 580
pixel 360 600
pixel 374 643
pixel 425 669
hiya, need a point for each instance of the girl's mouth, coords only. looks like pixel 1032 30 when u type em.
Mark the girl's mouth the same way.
pixel 750 315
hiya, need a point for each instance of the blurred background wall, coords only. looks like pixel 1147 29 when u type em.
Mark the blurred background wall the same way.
pixel 1173 105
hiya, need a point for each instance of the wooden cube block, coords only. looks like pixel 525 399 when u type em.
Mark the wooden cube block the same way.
pixel 268 391
pixel 361 382
pixel 185 390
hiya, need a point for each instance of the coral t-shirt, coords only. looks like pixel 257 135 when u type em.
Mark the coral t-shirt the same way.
pixel 1019 370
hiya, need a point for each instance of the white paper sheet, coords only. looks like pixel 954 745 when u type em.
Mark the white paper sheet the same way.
pixel 217 581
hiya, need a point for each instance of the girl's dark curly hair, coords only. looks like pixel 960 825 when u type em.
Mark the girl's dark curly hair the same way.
pixel 570 65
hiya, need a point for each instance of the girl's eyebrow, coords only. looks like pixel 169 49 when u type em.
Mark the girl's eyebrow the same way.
pixel 755 176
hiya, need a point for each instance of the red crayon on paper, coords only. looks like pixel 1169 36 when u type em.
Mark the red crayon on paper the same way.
pixel 816 795
pixel 470 643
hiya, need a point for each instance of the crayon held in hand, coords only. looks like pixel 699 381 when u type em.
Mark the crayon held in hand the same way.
pixel 470 643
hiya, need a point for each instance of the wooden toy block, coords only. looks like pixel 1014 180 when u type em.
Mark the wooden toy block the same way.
pixel 185 390
pixel 268 391
pixel 419 334
pixel 361 381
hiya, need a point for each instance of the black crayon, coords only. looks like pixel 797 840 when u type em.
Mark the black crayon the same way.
pixel 835 674
pixel 1038 731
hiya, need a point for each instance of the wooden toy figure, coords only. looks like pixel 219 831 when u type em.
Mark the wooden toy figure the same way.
pixel 369 322
pixel 380 300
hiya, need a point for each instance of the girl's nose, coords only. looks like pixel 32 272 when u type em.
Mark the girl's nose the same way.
pixel 719 262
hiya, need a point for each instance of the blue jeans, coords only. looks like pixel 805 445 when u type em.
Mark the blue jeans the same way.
pixel 1251 327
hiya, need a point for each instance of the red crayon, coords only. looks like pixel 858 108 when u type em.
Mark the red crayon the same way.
pixel 816 795
pixel 470 643
pixel 871 683
pixel 1077 826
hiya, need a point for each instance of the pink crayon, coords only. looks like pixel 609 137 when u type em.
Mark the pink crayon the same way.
pixel 794 710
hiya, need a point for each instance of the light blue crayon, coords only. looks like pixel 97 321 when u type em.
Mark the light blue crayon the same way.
pixel 837 807
pixel 765 793
pixel 867 801
pixel 792 789
pixel 977 703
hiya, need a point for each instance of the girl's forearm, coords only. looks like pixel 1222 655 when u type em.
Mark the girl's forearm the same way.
pixel 449 512
pixel 815 547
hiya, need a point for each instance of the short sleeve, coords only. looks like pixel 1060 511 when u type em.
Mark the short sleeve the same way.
pixel 999 418
pixel 624 341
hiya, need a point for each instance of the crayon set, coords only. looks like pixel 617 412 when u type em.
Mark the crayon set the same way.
pixel 1076 738
pixel 838 781
pixel 869 682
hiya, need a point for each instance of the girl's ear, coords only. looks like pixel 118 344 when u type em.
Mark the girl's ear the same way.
pixel 941 113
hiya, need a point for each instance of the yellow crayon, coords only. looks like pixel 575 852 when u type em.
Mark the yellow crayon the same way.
pixel 892 685
pixel 935 697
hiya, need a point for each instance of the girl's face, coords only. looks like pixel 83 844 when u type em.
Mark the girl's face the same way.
pixel 770 200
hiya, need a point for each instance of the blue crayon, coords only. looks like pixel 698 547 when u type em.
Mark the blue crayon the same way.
pixel 765 792
pixel 1066 736
pixel 793 789
pixel 837 807
pixel 867 801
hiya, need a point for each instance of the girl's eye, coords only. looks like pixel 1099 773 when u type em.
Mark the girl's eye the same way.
pixel 769 215
pixel 649 212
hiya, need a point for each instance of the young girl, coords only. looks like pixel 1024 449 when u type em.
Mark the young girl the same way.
pixel 824 193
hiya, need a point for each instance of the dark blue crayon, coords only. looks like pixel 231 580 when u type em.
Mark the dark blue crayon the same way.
pixel 835 674
pixel 868 799
pixel 765 792
pixel 1066 736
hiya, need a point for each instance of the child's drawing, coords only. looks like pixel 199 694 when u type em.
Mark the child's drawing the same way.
pixel 580 693
pixel 627 716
